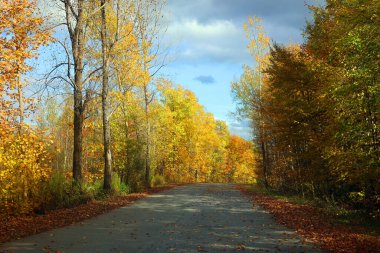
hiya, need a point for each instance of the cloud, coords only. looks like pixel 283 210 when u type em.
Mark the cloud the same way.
pixel 205 79
pixel 241 128
pixel 281 11
pixel 219 40
pixel 212 30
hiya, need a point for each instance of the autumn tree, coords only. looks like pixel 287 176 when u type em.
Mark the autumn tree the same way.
pixel 240 161
pixel 24 161
pixel 76 15
pixel 318 107
pixel 294 117
pixel 23 33
pixel 346 45
pixel 55 118
pixel 117 37
pixel 192 145
pixel 75 71
pixel 149 16
pixel 248 91
pixel 105 99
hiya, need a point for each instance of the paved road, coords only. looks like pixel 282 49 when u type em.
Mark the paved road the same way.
pixel 192 218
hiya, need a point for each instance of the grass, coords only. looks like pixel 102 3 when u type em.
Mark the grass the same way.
pixel 338 213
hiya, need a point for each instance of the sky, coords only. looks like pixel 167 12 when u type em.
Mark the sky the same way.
pixel 208 45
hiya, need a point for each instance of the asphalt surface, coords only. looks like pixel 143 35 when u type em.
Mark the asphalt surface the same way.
pixel 191 218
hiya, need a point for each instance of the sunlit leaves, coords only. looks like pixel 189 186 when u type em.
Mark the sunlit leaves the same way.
pixel 24 160
pixel 24 165
pixel 22 33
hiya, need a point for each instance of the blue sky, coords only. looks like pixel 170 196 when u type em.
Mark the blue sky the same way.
pixel 208 45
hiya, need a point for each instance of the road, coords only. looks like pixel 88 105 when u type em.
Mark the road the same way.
pixel 191 218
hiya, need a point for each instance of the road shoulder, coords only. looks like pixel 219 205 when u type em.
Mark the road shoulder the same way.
pixel 313 225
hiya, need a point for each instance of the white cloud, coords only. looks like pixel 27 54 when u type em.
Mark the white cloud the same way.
pixel 220 40
pixel 241 128
pixel 212 29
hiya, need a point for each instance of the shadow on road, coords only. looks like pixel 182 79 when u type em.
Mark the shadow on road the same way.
pixel 191 218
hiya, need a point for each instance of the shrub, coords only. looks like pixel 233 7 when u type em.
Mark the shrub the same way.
pixel 60 192
pixel 157 180
pixel 24 166
pixel 118 187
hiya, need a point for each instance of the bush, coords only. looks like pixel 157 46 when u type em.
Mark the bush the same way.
pixel 118 187
pixel 60 192
pixel 157 180
pixel 24 167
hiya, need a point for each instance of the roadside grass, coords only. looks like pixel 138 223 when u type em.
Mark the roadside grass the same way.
pixel 337 213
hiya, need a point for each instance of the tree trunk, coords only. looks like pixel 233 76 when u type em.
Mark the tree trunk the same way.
pixel 78 137
pixel 65 151
pixel 264 163
pixel 147 150
pixel 78 116
pixel 77 43
pixel 147 165
pixel 105 106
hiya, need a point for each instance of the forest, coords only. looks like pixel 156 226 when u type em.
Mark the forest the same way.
pixel 315 107
pixel 102 122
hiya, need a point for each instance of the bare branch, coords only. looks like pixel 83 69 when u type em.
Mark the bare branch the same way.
pixel 68 61
pixel 68 6
pixel 91 74
pixel 61 78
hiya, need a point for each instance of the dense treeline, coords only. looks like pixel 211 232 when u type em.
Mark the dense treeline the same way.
pixel 186 143
pixel 315 107
pixel 105 123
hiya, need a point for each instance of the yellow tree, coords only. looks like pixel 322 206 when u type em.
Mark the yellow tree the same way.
pixel 23 156
pixel 248 91
pixel 22 34
pixel 239 161
pixel 119 63
pixel 190 142
pixel 148 27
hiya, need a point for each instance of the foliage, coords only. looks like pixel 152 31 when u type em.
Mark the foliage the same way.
pixel 59 192
pixel 316 107
pixel 240 161
pixel 24 166
pixel 22 33
pixel 119 187
pixel 52 152
pixel 24 156
pixel 157 180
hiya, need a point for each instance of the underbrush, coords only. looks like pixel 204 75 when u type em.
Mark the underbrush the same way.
pixel 157 180
pixel 60 192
